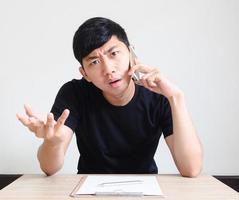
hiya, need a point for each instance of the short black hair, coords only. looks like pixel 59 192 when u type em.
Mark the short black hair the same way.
pixel 94 33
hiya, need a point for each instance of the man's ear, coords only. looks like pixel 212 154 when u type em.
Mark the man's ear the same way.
pixel 83 73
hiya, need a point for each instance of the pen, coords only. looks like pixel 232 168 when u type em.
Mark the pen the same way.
pixel 120 183
pixel 119 194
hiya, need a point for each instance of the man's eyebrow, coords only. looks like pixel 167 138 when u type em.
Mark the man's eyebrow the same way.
pixel 91 57
pixel 107 51
pixel 110 49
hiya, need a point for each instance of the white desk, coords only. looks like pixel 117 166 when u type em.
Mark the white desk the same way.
pixel 40 187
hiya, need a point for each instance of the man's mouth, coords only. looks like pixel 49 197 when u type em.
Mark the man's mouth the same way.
pixel 114 83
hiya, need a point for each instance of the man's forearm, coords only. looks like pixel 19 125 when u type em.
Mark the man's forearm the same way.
pixel 51 157
pixel 186 145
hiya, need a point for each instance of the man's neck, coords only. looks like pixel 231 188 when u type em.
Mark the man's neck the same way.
pixel 123 98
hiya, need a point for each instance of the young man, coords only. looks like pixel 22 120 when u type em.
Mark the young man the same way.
pixel 117 122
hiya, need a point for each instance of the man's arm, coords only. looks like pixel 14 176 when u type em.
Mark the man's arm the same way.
pixel 51 156
pixel 56 138
pixel 184 144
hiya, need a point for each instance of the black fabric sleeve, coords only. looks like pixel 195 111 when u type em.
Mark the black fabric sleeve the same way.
pixel 166 118
pixel 66 99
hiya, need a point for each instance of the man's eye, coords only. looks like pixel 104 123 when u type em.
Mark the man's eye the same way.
pixel 114 53
pixel 95 62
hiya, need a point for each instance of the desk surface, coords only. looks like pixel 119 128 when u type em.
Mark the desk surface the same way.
pixel 173 186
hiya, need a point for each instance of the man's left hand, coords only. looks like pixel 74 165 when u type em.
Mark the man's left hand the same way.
pixel 153 80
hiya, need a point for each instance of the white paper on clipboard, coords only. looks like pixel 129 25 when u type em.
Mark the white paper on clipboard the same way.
pixel 120 185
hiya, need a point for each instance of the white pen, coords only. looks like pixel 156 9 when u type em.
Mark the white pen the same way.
pixel 120 183
pixel 138 194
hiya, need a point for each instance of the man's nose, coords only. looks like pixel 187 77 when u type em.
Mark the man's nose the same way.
pixel 108 67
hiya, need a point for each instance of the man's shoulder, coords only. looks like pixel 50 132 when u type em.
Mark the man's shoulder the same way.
pixel 152 99
pixel 76 88
pixel 147 94
pixel 76 85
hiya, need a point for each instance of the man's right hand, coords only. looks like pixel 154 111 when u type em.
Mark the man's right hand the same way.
pixel 56 137
pixel 50 130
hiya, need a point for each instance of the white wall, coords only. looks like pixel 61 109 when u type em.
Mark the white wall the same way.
pixel 195 43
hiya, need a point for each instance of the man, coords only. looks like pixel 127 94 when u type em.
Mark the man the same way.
pixel 117 122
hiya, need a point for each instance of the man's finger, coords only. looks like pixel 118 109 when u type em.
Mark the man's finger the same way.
pixel 61 120
pixel 50 125
pixel 140 68
pixel 50 120
pixel 24 120
pixel 29 111
pixel 151 83
pixel 30 123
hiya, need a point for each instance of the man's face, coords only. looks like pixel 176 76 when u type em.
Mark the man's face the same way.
pixel 107 67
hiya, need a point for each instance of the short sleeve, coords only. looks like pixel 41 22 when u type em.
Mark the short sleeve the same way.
pixel 166 118
pixel 66 98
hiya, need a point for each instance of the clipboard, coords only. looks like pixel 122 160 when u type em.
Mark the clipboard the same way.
pixel 117 185
pixel 77 187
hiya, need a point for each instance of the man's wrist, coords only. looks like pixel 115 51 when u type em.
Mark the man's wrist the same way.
pixel 177 99
pixel 52 144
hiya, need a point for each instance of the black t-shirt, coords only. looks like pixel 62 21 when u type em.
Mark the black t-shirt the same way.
pixel 114 139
